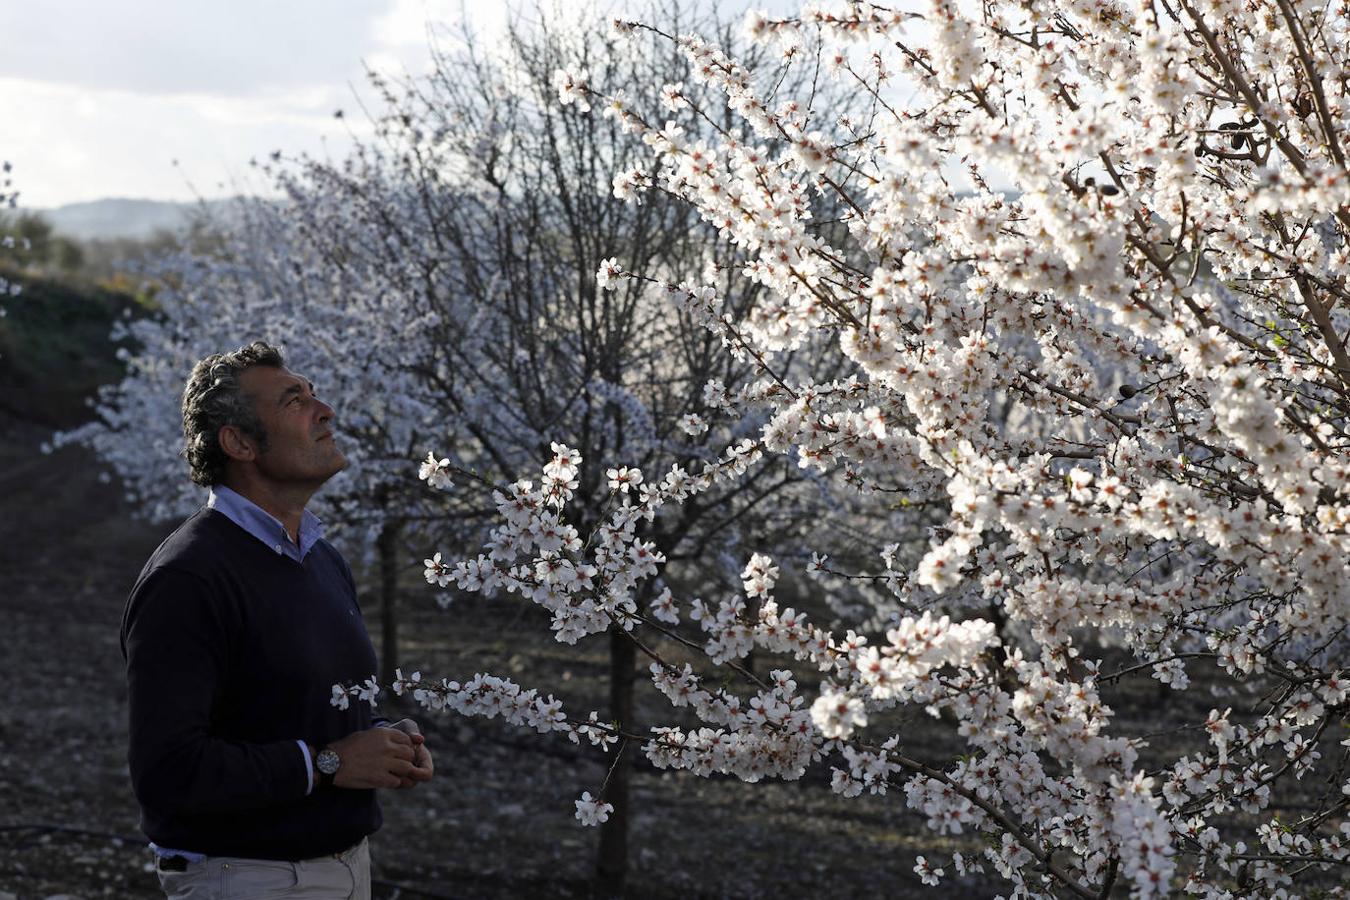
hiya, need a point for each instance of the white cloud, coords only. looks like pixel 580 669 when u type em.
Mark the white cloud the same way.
pixel 404 26
pixel 80 144
pixel 98 98
pixel 238 47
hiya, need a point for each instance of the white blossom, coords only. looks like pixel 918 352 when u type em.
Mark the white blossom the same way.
pixel 592 812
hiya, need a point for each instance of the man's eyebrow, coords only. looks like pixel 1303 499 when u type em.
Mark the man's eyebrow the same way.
pixel 290 392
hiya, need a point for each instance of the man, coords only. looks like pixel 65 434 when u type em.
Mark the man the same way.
pixel 251 782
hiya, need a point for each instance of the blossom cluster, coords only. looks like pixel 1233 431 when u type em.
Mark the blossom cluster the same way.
pixel 1088 293
pixel 487 696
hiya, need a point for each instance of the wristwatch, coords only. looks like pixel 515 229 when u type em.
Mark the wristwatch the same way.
pixel 327 762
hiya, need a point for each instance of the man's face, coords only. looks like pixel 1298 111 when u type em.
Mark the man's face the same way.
pixel 301 447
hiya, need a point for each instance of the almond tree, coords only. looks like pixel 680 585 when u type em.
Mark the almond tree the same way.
pixel 455 283
pixel 1091 294
pixel 506 235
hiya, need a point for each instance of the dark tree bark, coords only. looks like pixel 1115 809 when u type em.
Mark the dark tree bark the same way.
pixel 387 546
pixel 612 860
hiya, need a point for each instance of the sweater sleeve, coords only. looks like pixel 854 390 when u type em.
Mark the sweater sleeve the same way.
pixel 177 644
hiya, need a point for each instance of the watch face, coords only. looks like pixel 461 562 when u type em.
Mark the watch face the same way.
pixel 328 761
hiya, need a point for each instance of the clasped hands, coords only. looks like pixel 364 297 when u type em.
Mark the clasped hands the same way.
pixel 389 756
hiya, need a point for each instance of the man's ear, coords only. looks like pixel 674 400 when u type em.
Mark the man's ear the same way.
pixel 236 444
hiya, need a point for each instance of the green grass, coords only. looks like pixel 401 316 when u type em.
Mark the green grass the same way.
pixel 56 347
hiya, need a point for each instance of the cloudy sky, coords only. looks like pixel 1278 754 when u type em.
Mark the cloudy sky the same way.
pixel 99 98
pixel 170 99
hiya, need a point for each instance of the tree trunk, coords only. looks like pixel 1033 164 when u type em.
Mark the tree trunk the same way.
pixel 612 862
pixel 752 615
pixel 387 545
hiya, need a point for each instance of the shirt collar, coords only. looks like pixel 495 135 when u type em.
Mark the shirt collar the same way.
pixel 263 525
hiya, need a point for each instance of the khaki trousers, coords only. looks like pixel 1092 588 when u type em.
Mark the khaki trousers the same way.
pixel 345 876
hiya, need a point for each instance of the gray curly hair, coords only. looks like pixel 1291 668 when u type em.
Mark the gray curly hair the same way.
pixel 212 399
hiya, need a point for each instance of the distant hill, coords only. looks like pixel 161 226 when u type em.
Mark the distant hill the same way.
pixel 118 217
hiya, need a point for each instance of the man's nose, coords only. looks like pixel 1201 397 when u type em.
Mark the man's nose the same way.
pixel 325 411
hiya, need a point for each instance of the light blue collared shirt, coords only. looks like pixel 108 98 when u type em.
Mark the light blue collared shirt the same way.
pixel 267 528
pixel 263 525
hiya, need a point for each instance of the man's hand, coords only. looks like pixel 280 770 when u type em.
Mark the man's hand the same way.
pixel 376 758
pixel 423 767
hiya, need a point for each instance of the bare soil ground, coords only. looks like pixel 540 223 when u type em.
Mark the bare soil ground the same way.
pixel 496 822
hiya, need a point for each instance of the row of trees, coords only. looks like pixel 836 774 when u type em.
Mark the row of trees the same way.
pixel 9 243
pixel 1122 375
pixel 1067 278
pixel 33 243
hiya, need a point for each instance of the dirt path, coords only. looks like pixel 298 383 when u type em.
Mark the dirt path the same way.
pixel 64 549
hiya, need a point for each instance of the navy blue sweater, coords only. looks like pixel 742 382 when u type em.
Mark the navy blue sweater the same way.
pixel 232 650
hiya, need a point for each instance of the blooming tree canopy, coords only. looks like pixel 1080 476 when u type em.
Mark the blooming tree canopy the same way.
pixel 534 335
pixel 1091 296
pixel 453 284
pixel 260 275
